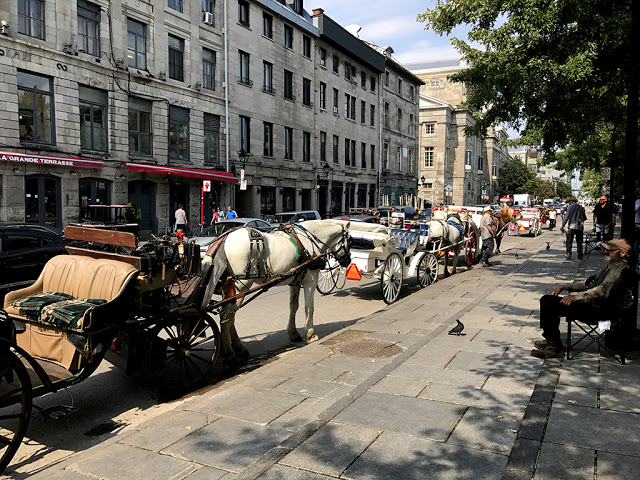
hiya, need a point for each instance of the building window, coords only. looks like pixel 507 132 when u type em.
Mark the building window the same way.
pixel 267 25
pixel 93 118
pixel 267 77
pixel 178 133
pixel 267 150
pixel 323 146
pixel 363 79
pixel 306 147
pixel 306 46
pixel 347 149
pixel 349 107
pixel 89 28
pixel 137 41
pixel 336 142
pixel 297 6
pixel 288 85
pixel 176 58
pixel 373 83
pixel 386 78
pixel 288 36
pixel 336 94
pixel 428 186
pixel 428 157
pixel 35 108
pixel 140 127
pixel 211 139
pixel 363 155
pixel 399 121
pixel 410 124
pixel 480 164
pixel 429 128
pixel 349 71
pixel 243 67
pixel 208 69
pixel 209 6
pixel 245 134
pixel 412 92
pixel 323 95
pixel 399 157
pixel 243 13
pixel 323 57
pixel 386 114
pixel 306 92
pixel 410 159
pixel 31 18
pixel 176 5
pixel 336 64
pixel 385 156
pixel 288 143
pixel 399 86
pixel 372 119
pixel 363 111
pixel 373 157
pixel 94 191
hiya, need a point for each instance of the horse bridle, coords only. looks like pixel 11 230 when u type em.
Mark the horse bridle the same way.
pixel 344 259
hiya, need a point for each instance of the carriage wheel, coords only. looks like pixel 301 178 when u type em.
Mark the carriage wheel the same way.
pixel 427 270
pixel 182 350
pixel 470 249
pixel 15 390
pixel 326 282
pixel 391 278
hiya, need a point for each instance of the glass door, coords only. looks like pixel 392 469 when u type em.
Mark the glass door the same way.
pixel 42 200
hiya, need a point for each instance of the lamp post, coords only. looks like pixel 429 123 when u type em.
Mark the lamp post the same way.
pixel 484 192
pixel 447 193
pixel 612 129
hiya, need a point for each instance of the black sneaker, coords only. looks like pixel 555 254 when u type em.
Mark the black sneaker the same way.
pixel 547 353
pixel 544 345
pixel 485 264
pixel 567 257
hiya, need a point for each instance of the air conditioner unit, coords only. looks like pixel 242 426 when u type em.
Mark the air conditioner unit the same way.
pixel 335 109
pixel 207 17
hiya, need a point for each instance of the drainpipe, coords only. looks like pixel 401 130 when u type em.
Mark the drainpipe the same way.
pixel 226 95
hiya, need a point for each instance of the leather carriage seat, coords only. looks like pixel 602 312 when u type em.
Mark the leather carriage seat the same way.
pixel 408 240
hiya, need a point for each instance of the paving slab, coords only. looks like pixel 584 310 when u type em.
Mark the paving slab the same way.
pixel 618 400
pixel 488 429
pixel 397 456
pixel 428 419
pixel 565 462
pixel 306 387
pixel 439 375
pixel 464 395
pixel 227 444
pixel 399 386
pixel 282 472
pixel 612 466
pixel 210 473
pixel 570 394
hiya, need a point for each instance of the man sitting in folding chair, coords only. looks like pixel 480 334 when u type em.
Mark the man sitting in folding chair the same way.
pixel 598 298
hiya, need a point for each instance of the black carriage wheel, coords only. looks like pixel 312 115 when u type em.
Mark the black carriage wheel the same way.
pixel 182 350
pixel 470 249
pixel 326 281
pixel 15 390
pixel 427 270
pixel 391 278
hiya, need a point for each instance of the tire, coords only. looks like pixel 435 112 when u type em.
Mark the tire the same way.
pixel 471 249
pixel 391 278
pixel 170 358
pixel 326 282
pixel 427 272
pixel 15 393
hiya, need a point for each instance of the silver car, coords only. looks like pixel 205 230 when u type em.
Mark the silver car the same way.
pixel 209 234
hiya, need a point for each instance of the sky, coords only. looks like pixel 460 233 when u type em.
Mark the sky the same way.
pixel 392 23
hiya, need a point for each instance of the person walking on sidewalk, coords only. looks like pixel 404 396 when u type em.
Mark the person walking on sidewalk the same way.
pixel 181 219
pixel 231 213
pixel 552 218
pixel 597 297
pixel 604 218
pixel 487 234
pixel 574 221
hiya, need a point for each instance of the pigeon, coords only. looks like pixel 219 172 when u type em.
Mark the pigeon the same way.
pixel 548 245
pixel 516 255
pixel 457 330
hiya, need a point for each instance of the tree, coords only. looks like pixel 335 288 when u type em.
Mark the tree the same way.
pixel 512 178
pixel 562 189
pixel 591 183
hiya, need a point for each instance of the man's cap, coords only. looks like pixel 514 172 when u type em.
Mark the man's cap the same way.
pixel 487 209
pixel 617 244
pixel 572 199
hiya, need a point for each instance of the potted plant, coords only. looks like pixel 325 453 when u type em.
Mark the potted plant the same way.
pixel 133 215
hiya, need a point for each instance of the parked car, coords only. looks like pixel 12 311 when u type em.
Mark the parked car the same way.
pixel 357 218
pixel 24 250
pixel 209 234
pixel 410 214
pixel 293 217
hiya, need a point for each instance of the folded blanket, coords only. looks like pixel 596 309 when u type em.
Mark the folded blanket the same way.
pixel 32 305
pixel 67 313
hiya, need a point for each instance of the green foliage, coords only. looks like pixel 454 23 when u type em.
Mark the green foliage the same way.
pixel 132 213
pixel 514 177
pixel 554 68
pixel 562 189
pixel 591 183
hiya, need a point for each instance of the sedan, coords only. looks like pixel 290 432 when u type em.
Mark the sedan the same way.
pixel 357 218
pixel 209 234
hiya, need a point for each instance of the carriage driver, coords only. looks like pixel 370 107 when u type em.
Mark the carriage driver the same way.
pixel 488 235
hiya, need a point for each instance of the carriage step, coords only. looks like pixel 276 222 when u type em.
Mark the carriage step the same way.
pixel 56 412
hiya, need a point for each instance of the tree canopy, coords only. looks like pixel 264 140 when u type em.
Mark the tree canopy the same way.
pixel 513 177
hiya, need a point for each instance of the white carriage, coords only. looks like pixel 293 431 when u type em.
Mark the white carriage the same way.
pixel 529 223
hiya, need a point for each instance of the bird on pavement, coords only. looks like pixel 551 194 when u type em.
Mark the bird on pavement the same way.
pixel 457 330
pixel 548 245
pixel 516 255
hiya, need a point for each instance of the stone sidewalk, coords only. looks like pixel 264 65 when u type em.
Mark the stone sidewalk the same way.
pixel 394 396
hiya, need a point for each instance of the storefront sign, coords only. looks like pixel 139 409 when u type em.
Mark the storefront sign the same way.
pixel 50 160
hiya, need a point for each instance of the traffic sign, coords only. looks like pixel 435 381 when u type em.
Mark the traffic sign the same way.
pixel 206 186
pixel 605 173
pixel 243 184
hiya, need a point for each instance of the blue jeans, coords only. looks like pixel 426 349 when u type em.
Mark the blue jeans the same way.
pixel 487 248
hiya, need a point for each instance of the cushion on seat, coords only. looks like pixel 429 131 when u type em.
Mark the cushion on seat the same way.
pixel 67 313
pixel 32 305
pixel 407 239
pixel 103 279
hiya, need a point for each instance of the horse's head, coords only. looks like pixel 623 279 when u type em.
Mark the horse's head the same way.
pixel 331 237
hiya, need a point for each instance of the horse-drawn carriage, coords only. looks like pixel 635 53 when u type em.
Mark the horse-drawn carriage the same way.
pixel 529 223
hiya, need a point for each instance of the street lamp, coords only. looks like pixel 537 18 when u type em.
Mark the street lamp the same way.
pixel 243 155
pixel 422 179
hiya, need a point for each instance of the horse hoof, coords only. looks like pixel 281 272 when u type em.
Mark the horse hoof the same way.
pixel 314 338
pixel 447 274
pixel 295 338
pixel 230 363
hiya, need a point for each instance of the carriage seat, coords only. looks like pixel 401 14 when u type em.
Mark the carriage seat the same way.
pixel 77 284
pixel 408 240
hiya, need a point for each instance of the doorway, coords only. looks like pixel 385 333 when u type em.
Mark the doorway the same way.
pixel 143 194
pixel 42 200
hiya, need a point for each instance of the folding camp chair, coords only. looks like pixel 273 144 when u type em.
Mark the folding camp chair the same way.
pixel 592 242
pixel 592 334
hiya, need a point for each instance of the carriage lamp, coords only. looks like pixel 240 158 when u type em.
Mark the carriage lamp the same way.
pixel 243 155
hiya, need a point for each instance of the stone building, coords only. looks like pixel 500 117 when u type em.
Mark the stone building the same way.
pixel 110 102
pixel 453 168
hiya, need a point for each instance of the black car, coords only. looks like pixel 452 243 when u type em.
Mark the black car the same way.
pixel 24 249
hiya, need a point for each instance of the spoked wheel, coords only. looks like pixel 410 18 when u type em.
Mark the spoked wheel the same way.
pixel 326 282
pixel 182 350
pixel 15 390
pixel 391 278
pixel 470 249
pixel 427 270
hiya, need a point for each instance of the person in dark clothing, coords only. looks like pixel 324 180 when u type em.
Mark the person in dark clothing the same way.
pixel 573 219
pixel 604 218
pixel 595 299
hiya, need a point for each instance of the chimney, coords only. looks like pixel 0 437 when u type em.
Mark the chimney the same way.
pixel 317 11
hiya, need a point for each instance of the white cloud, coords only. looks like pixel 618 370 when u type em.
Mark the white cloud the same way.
pixel 426 51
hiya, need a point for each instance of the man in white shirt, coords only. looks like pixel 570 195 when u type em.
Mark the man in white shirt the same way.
pixel 488 235
pixel 181 219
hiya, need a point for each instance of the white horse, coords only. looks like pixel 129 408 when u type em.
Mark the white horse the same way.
pixel 247 257
pixel 451 232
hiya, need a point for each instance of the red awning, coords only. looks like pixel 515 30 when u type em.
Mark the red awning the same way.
pixel 50 160
pixel 183 172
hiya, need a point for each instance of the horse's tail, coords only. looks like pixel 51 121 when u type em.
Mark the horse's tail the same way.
pixel 213 268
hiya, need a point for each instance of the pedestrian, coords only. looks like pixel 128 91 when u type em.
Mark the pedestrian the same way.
pixel 231 213
pixel 597 298
pixel 216 216
pixel 181 219
pixel 574 221
pixel 221 214
pixel 396 219
pixel 487 234
pixel 604 218
pixel 552 218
